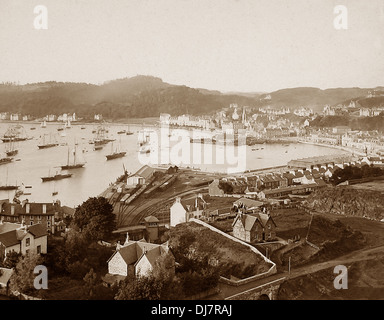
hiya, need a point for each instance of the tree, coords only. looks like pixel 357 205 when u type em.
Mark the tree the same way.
pixel 160 287
pixel 90 281
pixel 95 218
pixel 11 260
pixel 23 277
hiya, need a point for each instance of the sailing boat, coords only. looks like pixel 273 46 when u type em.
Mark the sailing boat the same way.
pixel 43 124
pixel 116 154
pixel 68 125
pixel 57 176
pixel 5 160
pixel 128 132
pixel 7 186
pixel 75 164
pixel 144 141
pixel 49 144
pixel 11 151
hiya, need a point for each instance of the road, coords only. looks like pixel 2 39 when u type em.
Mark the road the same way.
pixel 358 255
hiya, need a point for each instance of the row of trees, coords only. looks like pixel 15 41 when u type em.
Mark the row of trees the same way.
pixel 353 172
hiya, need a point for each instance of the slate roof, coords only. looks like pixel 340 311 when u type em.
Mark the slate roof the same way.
pixel 14 237
pixel 37 230
pixel 132 252
pixel 145 172
pixel 249 203
pixel 249 220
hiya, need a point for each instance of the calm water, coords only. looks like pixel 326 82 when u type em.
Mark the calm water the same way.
pixel 98 173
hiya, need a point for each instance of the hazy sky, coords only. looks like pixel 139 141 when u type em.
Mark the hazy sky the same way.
pixel 227 45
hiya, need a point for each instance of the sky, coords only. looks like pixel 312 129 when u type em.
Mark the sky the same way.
pixel 226 45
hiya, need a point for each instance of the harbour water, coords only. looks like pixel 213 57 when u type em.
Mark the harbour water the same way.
pixel 32 163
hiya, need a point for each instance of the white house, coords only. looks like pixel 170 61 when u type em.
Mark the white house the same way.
pixel 182 211
pixel 178 213
pixel 24 239
pixel 139 258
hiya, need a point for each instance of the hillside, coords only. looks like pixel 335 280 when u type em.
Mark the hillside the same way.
pixel 190 243
pixel 314 97
pixel 347 201
pixel 147 96
pixel 365 282
pixel 136 97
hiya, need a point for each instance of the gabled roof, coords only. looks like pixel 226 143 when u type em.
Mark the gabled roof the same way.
pixel 14 237
pixel 288 175
pixel 151 219
pixel 37 230
pixel 249 220
pixel 145 172
pixel 10 238
pixel 132 251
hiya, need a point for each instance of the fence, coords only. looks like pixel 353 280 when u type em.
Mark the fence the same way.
pixel 272 270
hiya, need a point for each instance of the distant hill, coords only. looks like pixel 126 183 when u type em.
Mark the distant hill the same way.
pixel 137 97
pixel 147 96
pixel 314 97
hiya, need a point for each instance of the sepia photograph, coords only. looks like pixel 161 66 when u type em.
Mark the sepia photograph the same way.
pixel 191 154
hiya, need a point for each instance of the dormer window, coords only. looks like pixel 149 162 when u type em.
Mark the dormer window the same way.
pixel 27 208
pixel 44 208
pixel 12 210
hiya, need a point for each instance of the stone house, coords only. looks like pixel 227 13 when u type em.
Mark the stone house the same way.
pixel 254 227
pixel 139 259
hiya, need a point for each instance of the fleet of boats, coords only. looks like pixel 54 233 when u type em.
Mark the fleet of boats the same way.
pixel 75 160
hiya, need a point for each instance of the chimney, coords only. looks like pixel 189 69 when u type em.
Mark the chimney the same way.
pixel 12 210
pixel 178 199
pixel 27 208
pixel 127 238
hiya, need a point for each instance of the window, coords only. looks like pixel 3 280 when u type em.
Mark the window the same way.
pixel 38 249
pixel 27 242
pixel 48 223
pixel 27 252
pixel 38 217
pixel 31 218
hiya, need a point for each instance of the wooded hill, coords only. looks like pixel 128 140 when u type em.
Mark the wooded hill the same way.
pixel 147 96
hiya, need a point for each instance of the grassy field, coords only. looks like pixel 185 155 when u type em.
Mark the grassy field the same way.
pixel 377 185
pixel 230 255
pixel 291 222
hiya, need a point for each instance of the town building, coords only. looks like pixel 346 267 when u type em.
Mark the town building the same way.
pixel 254 227
pixel 141 177
pixel 30 213
pixel 23 239
pixel 139 258
pixel 182 211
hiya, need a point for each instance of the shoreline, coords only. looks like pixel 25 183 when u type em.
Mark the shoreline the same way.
pixel 353 151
